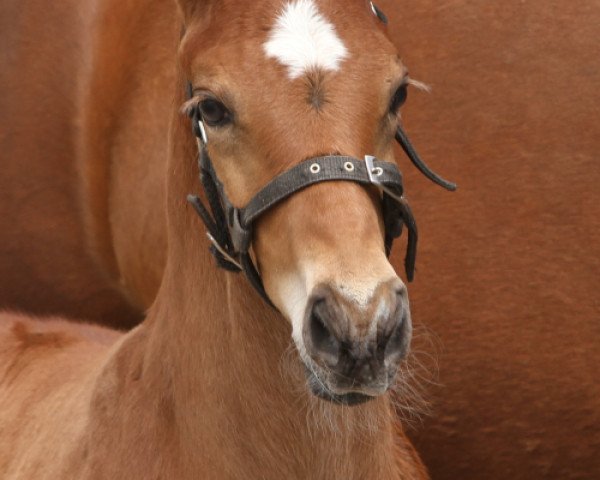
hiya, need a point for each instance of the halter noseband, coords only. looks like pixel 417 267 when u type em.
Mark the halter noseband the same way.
pixel 230 229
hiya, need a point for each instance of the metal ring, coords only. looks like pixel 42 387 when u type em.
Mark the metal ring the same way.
pixel 202 130
pixel 315 168
pixel 374 9
pixel 349 166
pixel 377 171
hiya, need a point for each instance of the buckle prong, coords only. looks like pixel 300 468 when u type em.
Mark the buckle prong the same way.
pixel 371 169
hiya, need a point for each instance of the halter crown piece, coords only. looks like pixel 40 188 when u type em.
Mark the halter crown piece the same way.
pixel 229 228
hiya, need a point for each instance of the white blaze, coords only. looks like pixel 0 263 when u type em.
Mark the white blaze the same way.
pixel 302 39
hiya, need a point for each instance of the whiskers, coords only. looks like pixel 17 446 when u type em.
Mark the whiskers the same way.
pixel 322 416
pixel 417 376
pixel 409 395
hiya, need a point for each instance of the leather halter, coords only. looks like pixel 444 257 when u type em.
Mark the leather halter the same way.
pixel 230 228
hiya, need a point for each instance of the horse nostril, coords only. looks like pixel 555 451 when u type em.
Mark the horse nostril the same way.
pixel 323 340
pixel 396 341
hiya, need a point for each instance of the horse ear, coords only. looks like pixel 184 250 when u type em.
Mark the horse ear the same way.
pixel 190 8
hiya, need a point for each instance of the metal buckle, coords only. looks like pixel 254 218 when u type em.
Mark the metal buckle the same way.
pixel 241 238
pixel 370 167
pixel 222 251
pixel 203 132
pixel 378 13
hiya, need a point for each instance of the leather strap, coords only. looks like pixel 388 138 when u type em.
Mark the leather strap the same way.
pixel 412 154
pixel 317 170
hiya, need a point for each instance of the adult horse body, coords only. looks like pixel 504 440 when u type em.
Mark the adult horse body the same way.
pixel 514 109
pixel 197 388
pixel 73 225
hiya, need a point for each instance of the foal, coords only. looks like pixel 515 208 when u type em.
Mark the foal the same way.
pixel 197 391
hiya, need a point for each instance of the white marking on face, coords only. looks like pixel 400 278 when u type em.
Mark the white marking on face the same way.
pixel 359 284
pixel 303 40
pixel 293 292
pixel 360 291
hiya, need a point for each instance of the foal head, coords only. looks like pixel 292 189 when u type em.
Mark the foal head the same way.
pixel 279 82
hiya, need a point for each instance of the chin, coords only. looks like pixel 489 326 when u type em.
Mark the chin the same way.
pixel 320 390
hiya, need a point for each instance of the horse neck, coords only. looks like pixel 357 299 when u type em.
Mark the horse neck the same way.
pixel 225 357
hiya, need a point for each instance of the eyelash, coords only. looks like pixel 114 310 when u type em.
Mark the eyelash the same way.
pixel 399 98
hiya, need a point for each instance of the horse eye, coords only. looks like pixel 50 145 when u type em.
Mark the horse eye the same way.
pixel 399 98
pixel 213 112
